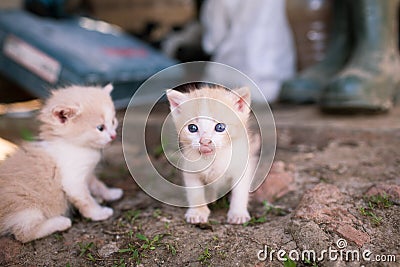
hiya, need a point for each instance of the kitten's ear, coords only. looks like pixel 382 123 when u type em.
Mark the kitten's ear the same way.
pixel 108 88
pixel 175 98
pixel 63 113
pixel 243 102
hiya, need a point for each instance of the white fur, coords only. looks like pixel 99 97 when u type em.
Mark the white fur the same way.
pixel 224 172
pixel 32 224
pixel 77 122
pixel 230 164
pixel 76 165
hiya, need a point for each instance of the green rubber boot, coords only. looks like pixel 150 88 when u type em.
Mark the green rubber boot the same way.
pixel 308 85
pixel 369 80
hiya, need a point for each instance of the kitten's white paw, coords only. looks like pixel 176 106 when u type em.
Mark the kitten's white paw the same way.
pixel 197 215
pixel 101 213
pixel 113 194
pixel 238 217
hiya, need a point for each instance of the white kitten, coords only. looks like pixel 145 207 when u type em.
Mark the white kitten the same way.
pixel 218 150
pixel 41 178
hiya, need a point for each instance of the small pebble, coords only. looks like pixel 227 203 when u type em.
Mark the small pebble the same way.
pixel 108 249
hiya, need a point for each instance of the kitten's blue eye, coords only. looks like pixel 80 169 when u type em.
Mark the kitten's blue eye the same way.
pixel 101 127
pixel 192 128
pixel 220 127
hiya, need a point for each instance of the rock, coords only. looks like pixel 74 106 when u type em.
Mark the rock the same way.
pixel 325 205
pixel 108 249
pixel 321 195
pixel 308 235
pixel 278 183
pixel 390 190
pixel 352 234
pixel 9 249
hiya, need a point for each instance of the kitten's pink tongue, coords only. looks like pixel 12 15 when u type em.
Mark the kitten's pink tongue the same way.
pixel 206 150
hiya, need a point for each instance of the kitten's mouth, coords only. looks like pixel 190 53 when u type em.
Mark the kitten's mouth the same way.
pixel 206 150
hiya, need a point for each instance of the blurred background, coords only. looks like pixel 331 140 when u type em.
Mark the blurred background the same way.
pixel 296 36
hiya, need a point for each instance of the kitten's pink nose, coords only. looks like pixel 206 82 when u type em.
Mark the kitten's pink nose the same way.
pixel 113 136
pixel 206 146
pixel 205 141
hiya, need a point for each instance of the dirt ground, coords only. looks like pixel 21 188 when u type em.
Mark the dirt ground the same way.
pixel 339 191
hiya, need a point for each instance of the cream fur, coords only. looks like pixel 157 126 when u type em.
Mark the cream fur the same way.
pixel 205 107
pixel 38 182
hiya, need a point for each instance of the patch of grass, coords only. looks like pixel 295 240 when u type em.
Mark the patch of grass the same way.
pixel 222 254
pixel 218 250
pixel 131 215
pixel 144 245
pixel 133 251
pixel 369 212
pixel 373 203
pixel 268 209
pixel 86 249
pixel 120 263
pixel 255 220
pixel 271 209
pixel 171 248
pixel 205 256
pixel 157 213
pixel 58 236
pixel 309 263
pixel 379 201
pixel 166 225
pixel 149 243
pixel 289 263
pixel 130 233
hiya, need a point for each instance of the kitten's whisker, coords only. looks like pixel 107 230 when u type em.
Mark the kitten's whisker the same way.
pixel 182 149
pixel 179 151
pixel 185 147
pixel 189 151
pixel 186 142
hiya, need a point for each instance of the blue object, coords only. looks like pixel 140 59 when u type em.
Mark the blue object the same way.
pixel 45 53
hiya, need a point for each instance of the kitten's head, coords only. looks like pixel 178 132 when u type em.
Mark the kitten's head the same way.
pixel 210 118
pixel 84 116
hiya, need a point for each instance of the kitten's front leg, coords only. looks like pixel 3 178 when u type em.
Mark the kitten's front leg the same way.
pixel 198 212
pixel 99 189
pixel 79 195
pixel 238 213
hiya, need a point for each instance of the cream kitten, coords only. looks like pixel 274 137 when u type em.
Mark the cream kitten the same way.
pixel 212 125
pixel 38 182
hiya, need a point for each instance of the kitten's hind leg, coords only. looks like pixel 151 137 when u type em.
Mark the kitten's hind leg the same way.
pixel 31 224
pixel 99 189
